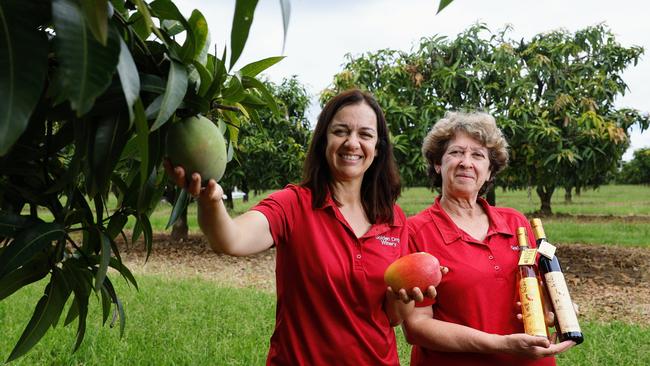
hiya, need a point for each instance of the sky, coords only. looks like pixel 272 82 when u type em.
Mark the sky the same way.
pixel 321 33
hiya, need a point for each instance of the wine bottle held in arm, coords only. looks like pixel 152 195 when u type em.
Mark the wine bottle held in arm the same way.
pixel 529 291
pixel 566 320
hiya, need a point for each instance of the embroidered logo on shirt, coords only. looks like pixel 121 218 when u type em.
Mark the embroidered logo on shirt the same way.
pixel 390 241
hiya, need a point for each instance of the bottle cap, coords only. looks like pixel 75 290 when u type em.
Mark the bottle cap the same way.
pixel 538 229
pixel 522 238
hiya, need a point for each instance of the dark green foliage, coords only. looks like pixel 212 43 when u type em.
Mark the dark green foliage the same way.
pixel 553 96
pixel 87 97
pixel 637 170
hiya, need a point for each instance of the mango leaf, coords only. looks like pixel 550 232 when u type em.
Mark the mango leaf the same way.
pixel 206 78
pixel 87 67
pixel 172 27
pixel 11 223
pixel 148 234
pixel 124 271
pixel 174 93
pixel 129 77
pixel 241 25
pixel 23 66
pixel 181 203
pixel 30 272
pixel 139 25
pixel 234 92
pixel 198 27
pixel 142 139
pixel 106 304
pixel 48 309
pixel 166 10
pixel 443 4
pixel 218 78
pixel 110 290
pixel 81 297
pixel 249 82
pixel 152 83
pixel 116 224
pixel 234 123
pixel 254 68
pixel 104 259
pixel 146 192
pixel 143 9
pixel 28 243
pixel 285 5
pixel 96 14
pixel 107 145
pixel 153 109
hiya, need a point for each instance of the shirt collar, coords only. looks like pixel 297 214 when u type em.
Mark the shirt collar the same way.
pixel 375 229
pixel 451 233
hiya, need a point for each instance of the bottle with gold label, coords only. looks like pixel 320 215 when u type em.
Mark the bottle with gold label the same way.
pixel 566 320
pixel 529 291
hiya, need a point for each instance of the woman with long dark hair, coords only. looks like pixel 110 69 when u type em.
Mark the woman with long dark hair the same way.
pixel 335 233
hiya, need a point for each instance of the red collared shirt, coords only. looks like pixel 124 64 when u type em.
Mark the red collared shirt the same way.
pixel 330 284
pixel 480 290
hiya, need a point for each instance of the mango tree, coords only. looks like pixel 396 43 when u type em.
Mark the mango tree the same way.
pixel 552 96
pixel 637 170
pixel 89 90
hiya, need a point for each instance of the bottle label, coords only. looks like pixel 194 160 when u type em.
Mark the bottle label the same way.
pixel 546 249
pixel 527 257
pixel 531 307
pixel 562 304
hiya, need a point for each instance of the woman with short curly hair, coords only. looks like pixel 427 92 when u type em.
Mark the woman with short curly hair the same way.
pixel 474 320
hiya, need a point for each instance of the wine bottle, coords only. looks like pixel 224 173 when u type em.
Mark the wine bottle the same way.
pixel 566 320
pixel 529 292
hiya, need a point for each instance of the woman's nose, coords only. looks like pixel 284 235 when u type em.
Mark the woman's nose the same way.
pixel 352 140
pixel 464 161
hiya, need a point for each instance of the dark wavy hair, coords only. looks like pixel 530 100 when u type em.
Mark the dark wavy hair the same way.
pixel 381 182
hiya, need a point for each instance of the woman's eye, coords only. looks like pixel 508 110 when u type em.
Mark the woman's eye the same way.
pixel 478 155
pixel 339 132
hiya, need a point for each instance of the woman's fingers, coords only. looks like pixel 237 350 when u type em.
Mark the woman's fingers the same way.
pixel 176 173
pixel 417 294
pixel 431 292
pixel 404 296
pixel 194 187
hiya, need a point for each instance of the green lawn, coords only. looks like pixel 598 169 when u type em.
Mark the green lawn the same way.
pixel 195 322
pixel 609 200
pixel 620 201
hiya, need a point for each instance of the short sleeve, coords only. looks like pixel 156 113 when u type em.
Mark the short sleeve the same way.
pixel 279 209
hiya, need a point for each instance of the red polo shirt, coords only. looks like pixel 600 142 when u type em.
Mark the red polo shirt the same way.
pixel 330 284
pixel 480 290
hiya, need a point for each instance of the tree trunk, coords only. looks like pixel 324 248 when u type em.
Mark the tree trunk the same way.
pixel 567 195
pixel 180 229
pixel 244 188
pixel 578 191
pixel 545 194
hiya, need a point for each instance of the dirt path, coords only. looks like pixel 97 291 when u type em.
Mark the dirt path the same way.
pixel 609 283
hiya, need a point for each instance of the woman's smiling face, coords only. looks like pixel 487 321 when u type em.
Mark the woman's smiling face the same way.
pixel 351 142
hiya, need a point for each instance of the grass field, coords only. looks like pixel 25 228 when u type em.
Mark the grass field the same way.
pixel 174 321
pixel 193 322
pixel 607 212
